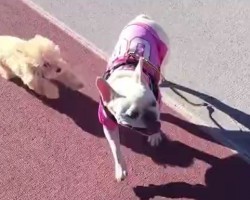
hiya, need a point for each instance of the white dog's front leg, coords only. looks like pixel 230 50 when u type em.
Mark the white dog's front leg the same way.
pixel 114 143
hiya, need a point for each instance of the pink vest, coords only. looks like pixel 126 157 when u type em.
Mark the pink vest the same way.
pixel 142 40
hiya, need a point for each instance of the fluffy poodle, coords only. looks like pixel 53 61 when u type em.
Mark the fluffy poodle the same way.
pixel 37 62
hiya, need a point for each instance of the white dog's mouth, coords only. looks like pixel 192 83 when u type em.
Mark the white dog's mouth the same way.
pixel 150 123
pixel 141 130
pixel 146 131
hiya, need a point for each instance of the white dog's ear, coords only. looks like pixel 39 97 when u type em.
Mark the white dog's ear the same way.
pixel 105 90
pixel 139 71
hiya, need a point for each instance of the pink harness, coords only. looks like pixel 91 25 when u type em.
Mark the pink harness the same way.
pixel 135 40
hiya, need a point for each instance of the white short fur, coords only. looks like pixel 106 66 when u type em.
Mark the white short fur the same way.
pixel 122 83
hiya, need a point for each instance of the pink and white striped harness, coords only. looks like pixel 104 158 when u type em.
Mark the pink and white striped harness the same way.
pixel 136 40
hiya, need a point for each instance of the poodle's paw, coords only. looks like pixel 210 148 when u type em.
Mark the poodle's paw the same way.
pixel 6 75
pixel 50 90
pixel 52 94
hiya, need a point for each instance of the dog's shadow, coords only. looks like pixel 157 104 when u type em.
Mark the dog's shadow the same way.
pixel 208 101
pixel 227 179
pixel 82 109
pixel 212 105
pixel 226 176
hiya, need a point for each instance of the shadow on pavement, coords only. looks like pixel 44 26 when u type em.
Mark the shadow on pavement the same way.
pixel 210 103
pixel 227 179
pixel 83 110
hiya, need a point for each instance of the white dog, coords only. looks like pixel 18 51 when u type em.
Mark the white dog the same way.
pixel 129 90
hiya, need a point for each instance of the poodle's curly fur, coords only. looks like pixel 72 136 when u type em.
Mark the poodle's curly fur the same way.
pixel 36 62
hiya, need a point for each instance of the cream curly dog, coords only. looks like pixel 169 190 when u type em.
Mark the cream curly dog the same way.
pixel 36 62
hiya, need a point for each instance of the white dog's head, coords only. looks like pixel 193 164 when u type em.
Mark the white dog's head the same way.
pixel 130 100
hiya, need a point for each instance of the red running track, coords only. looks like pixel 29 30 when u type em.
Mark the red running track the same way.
pixel 56 149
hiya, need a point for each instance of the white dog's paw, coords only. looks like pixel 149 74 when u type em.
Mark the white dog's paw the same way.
pixel 120 173
pixel 5 74
pixel 155 139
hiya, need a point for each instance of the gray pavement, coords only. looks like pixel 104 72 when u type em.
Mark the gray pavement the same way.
pixel 210 53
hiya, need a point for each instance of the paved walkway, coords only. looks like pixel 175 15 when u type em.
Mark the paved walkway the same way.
pixel 56 149
pixel 210 54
